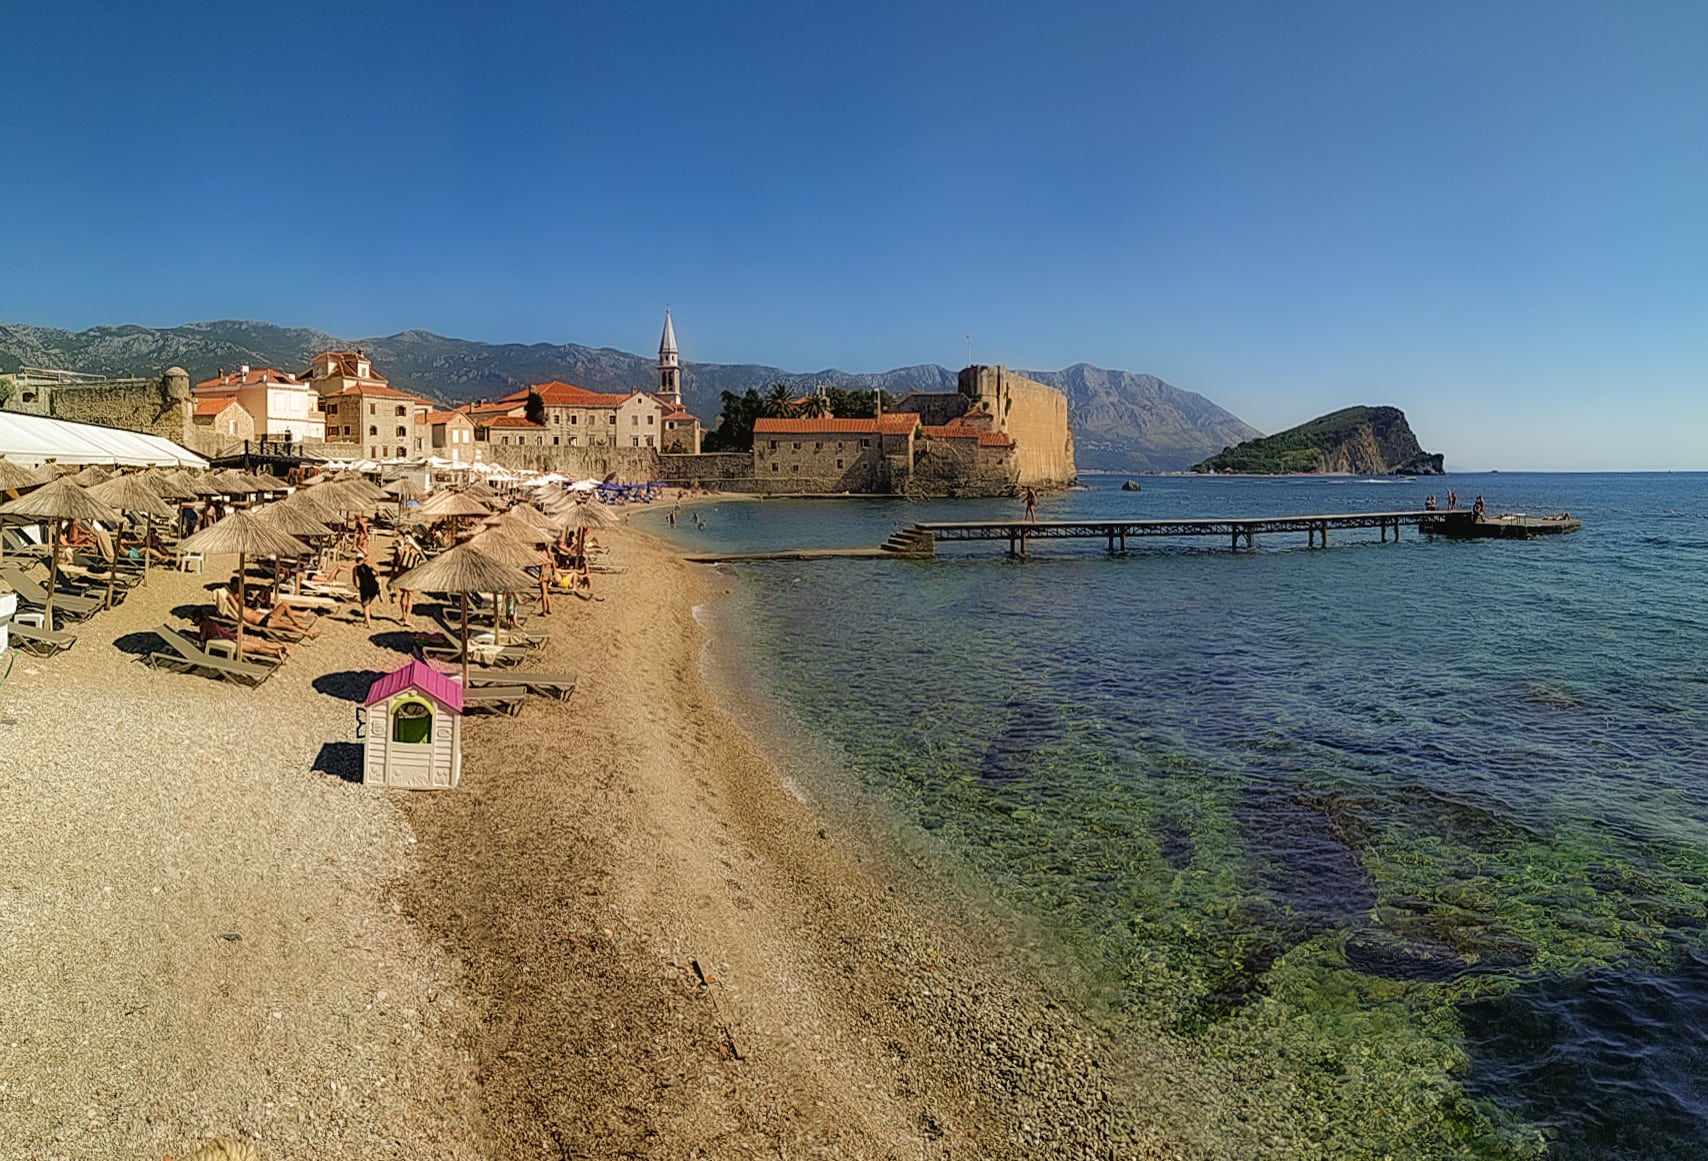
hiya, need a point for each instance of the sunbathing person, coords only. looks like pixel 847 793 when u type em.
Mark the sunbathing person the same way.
pixel 213 630
pixel 281 615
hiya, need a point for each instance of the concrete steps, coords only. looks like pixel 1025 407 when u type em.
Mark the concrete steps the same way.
pixel 911 542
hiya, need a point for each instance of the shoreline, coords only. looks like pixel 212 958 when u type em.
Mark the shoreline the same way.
pixel 843 1008
pixel 622 935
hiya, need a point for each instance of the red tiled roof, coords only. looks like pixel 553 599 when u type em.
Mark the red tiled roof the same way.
pixel 434 418
pixel 378 390
pixel 948 431
pixel 255 376
pixel 512 421
pixel 215 404
pixel 995 439
pixel 559 394
pixel 344 364
pixel 417 675
pixel 888 425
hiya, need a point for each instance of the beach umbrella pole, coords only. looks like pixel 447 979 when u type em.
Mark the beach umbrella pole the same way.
pixel 52 568
pixel 241 605
pixel 465 597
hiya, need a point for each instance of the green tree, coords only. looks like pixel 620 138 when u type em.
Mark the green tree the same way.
pixel 535 409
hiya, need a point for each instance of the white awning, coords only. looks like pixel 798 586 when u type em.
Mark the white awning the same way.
pixel 38 439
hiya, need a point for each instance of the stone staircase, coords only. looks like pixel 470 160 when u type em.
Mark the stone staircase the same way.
pixel 911 542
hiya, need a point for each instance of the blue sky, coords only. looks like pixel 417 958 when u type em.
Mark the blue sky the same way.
pixel 1493 215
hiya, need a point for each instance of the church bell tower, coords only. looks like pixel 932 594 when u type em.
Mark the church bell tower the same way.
pixel 669 369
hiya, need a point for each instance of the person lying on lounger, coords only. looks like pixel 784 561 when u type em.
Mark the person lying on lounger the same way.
pixel 212 630
pixel 281 615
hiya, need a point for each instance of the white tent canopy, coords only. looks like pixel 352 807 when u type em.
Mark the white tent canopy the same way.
pixel 38 439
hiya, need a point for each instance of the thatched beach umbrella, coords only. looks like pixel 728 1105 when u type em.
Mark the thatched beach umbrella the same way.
pixel 531 515
pixel 444 504
pixel 16 477
pixel 481 492
pixel 131 494
pixel 296 520
pixel 60 500
pixel 247 535
pixel 403 489
pixel 168 485
pixel 92 475
pixel 464 570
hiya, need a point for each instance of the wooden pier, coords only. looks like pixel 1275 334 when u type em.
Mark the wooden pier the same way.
pixel 922 539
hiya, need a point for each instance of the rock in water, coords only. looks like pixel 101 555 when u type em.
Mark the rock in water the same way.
pixel 1375 441
pixel 1131 486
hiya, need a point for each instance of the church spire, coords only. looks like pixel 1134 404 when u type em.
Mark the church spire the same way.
pixel 669 370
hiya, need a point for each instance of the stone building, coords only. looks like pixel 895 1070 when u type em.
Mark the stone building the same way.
pixel 576 417
pixel 447 434
pixel 223 418
pixel 378 419
pixel 515 431
pixel 283 406
pixel 834 455
pixel 1034 415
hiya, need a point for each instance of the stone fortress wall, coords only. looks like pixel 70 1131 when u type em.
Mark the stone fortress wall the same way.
pixel 1035 414
pixel 161 406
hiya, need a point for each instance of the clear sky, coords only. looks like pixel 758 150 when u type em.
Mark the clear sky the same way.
pixel 1491 214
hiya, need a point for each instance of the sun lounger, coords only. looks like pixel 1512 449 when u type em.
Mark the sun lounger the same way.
pixel 558 685
pixel 188 656
pixel 483 652
pixel 41 642
pixel 498 698
pixel 68 605
pixel 17 544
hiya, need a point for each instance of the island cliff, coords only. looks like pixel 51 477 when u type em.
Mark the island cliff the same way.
pixel 1374 441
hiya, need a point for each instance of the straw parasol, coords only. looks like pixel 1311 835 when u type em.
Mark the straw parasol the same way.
pixel 295 519
pixel 60 500
pixel 92 475
pixel 531 515
pixel 443 504
pixel 463 570
pixel 403 488
pixel 16 477
pixel 131 494
pixel 496 542
pixel 170 485
pixel 247 535
pixel 480 492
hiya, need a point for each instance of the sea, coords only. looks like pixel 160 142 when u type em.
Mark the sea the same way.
pixel 1412 835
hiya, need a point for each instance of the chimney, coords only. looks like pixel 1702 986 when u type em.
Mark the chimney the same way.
pixel 243 370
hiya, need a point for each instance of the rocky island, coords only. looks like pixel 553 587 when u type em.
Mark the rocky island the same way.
pixel 1366 441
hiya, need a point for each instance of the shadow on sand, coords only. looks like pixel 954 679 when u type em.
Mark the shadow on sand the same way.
pixel 348 685
pixel 341 760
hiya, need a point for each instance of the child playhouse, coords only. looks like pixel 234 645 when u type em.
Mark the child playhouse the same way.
pixel 413 724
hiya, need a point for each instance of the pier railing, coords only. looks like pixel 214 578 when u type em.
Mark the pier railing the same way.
pixel 1238 530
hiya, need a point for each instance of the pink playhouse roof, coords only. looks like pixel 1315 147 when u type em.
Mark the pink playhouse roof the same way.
pixel 417 674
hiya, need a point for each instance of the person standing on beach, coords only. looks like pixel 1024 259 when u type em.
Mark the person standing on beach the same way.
pixel 1031 505
pixel 548 577
pixel 368 589
pixel 1452 500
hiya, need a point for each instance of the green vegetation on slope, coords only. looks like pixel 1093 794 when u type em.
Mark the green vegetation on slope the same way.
pixel 1353 439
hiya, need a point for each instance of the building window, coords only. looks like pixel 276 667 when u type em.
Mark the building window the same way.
pixel 797 447
pixel 372 430
pixel 613 417
pixel 634 441
pixel 819 446
pixel 649 420
pixel 773 445
pixel 400 410
pixel 574 419
pixel 773 467
pixel 797 469
pixel 373 409
pixel 649 441
pixel 865 443
pixel 634 421
pixel 839 463
pixel 554 441
pixel 401 431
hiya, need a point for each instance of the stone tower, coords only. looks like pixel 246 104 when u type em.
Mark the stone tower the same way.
pixel 669 370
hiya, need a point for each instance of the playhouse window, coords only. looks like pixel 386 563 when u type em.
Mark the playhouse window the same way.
pixel 412 723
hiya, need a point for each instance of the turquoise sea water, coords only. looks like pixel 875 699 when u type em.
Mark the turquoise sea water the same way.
pixel 1413 835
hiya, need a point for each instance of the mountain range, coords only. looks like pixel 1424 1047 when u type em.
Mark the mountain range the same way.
pixel 1122 421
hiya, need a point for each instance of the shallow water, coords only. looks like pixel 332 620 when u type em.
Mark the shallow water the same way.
pixel 1418 832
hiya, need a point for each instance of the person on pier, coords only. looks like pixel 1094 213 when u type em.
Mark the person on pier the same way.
pixel 1477 508
pixel 1031 505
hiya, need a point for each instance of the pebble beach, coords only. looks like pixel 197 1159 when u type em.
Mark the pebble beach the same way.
pixel 623 935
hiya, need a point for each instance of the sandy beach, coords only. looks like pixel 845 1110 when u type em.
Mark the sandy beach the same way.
pixel 623 936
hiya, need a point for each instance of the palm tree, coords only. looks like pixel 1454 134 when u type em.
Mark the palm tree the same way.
pixel 817 405
pixel 779 402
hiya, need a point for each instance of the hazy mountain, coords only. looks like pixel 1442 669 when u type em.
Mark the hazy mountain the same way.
pixel 1122 421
